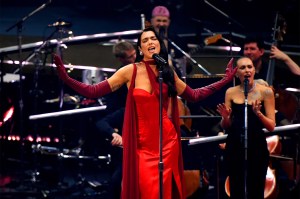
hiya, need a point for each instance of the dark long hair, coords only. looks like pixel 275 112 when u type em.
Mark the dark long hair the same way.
pixel 167 72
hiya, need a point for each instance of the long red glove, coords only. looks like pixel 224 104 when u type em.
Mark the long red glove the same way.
pixel 90 91
pixel 194 95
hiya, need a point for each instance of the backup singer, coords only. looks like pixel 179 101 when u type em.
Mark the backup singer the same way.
pixel 141 123
pixel 261 114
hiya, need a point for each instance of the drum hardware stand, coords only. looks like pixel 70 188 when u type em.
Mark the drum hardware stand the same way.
pixel 68 154
pixel 37 54
pixel 230 20
pixel 59 46
pixel 19 26
pixel 82 183
pixel 190 58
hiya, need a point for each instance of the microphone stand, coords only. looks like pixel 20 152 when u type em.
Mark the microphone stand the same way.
pixel 37 55
pixel 246 84
pixel 161 163
pixel 189 57
pixel 230 19
pixel 224 14
pixel 19 26
pixel 162 35
pixel 61 103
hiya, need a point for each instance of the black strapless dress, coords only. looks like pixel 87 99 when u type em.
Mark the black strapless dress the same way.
pixel 257 154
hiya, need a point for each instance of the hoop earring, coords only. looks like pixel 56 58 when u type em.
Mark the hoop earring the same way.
pixel 141 53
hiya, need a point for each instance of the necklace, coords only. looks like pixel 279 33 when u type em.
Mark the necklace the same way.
pixel 250 90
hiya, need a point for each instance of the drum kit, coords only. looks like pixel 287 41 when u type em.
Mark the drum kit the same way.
pixel 48 148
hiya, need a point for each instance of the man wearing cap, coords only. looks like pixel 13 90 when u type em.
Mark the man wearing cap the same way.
pixel 161 21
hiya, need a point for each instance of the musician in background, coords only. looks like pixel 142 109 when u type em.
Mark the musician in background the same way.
pixel 161 22
pixel 125 53
pixel 110 127
pixel 254 48
pixel 261 114
pixel 280 55
pixel 286 74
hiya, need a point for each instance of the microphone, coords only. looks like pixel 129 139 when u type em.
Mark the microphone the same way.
pixel 246 84
pixel 159 59
pixel 162 32
pixel 60 23
pixel 143 21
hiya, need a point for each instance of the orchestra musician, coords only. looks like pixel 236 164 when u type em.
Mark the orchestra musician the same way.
pixel 284 67
pixel 161 21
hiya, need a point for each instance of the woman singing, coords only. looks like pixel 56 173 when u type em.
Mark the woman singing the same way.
pixel 261 114
pixel 141 123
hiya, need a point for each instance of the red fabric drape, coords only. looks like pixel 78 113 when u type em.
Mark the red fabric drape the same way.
pixel 130 184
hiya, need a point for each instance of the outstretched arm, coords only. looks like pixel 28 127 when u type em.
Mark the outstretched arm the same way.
pixel 90 91
pixel 278 54
pixel 195 95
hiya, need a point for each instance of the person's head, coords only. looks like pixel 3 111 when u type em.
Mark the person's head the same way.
pixel 253 48
pixel 125 52
pixel 245 69
pixel 160 18
pixel 149 43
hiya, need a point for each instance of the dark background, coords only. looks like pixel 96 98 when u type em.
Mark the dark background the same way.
pixel 191 19
pixel 90 17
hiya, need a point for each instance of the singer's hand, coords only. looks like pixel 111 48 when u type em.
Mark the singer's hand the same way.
pixel 223 110
pixel 60 67
pixel 256 106
pixel 230 71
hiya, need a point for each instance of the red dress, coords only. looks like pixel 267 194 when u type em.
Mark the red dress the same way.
pixel 148 147
pixel 133 141
pixel 141 145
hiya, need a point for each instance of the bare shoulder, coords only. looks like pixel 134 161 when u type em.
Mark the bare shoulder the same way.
pixel 126 69
pixel 232 90
pixel 230 93
pixel 120 77
pixel 268 92
pixel 265 91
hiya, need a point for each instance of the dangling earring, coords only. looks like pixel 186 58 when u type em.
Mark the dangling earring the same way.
pixel 141 53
